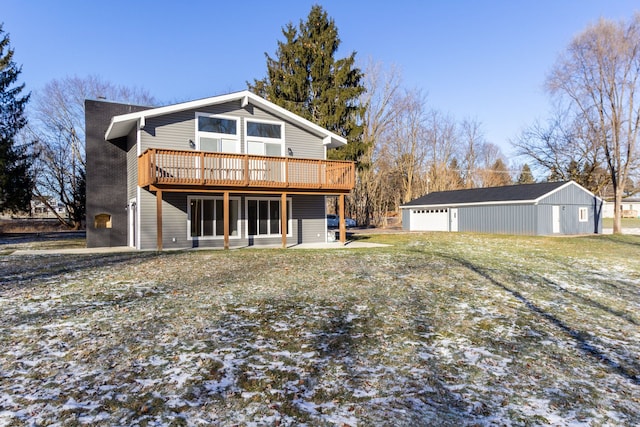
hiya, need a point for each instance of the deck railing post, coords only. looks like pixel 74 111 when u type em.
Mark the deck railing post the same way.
pixel 225 209
pixel 343 228
pixel 286 171
pixel 246 170
pixel 283 219
pixel 153 176
pixel 159 218
pixel 202 167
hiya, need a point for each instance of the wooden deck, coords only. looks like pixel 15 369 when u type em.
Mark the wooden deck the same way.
pixel 196 169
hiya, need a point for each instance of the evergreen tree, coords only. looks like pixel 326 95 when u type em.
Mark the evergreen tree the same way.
pixel 15 180
pixel 455 177
pixel 498 175
pixel 525 177
pixel 307 79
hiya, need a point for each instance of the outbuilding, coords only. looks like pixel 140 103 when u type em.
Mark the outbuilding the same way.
pixel 548 208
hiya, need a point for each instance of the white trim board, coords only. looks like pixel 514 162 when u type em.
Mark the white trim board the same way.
pixel 121 125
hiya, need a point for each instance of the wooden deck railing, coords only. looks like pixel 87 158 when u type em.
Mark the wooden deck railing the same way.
pixel 197 168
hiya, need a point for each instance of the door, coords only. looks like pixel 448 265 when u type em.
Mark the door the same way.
pixel 454 219
pixel 555 218
pixel 429 220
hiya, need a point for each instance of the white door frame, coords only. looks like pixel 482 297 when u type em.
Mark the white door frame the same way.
pixel 453 219
pixel 555 219
pixel 132 209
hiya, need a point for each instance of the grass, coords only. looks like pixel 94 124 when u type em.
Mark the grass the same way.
pixel 626 223
pixel 438 329
pixel 10 242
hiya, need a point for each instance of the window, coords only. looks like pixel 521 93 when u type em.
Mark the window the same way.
pixel 206 217
pixel 583 214
pixel 102 220
pixel 265 138
pixel 263 217
pixel 217 133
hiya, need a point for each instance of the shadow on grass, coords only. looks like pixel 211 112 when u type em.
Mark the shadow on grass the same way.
pixel 624 239
pixel 355 237
pixel 586 300
pixel 35 270
pixel 581 338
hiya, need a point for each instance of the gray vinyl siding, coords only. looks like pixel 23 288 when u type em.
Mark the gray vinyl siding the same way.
pixel 406 219
pixel 147 225
pixel 174 131
pixel 528 218
pixel 569 195
pixel 308 222
pixel 499 219
pixel 132 165
pixel 569 200
pixel 313 228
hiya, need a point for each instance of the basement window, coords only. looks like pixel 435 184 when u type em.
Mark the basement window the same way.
pixel 102 220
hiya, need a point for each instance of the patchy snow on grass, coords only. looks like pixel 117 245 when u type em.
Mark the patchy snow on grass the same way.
pixel 461 331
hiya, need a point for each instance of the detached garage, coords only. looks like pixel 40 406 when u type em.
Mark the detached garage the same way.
pixel 546 208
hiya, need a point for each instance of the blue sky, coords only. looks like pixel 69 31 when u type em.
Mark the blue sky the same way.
pixel 485 60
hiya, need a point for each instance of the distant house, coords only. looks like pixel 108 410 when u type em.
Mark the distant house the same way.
pixel 40 209
pixel 532 209
pixel 228 171
pixel 630 208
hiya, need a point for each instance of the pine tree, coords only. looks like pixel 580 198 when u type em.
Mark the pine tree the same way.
pixel 307 79
pixel 15 163
pixel 525 177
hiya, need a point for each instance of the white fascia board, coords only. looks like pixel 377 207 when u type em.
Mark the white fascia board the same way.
pixel 458 205
pixel 331 142
pixel 335 140
pixel 121 125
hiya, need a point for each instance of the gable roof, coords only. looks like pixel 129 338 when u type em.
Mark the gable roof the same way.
pixel 121 125
pixel 523 193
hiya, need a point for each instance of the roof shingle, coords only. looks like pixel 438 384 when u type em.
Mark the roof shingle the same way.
pixel 509 193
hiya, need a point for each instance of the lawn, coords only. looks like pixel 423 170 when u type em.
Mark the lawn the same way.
pixel 438 329
pixel 626 223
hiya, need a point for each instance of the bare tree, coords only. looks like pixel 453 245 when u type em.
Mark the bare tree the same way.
pixel 405 142
pixel 442 142
pixel 563 149
pixel 598 77
pixel 56 127
pixel 472 141
pixel 492 170
pixel 368 200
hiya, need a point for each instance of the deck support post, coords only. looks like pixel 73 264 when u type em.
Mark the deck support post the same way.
pixel 159 218
pixel 225 209
pixel 343 228
pixel 283 219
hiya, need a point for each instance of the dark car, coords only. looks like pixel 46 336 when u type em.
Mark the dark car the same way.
pixel 333 221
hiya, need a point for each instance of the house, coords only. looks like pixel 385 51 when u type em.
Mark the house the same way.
pixel 51 208
pixel 547 208
pixel 228 171
pixel 630 208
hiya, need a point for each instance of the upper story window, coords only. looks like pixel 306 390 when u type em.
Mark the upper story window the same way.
pixel 217 133
pixel 265 138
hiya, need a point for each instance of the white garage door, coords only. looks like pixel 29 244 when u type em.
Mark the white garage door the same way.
pixel 429 220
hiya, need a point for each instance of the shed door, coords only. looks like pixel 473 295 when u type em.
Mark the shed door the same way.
pixel 429 220
pixel 454 219
pixel 555 218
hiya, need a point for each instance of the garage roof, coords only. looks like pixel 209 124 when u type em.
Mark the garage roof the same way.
pixel 524 193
